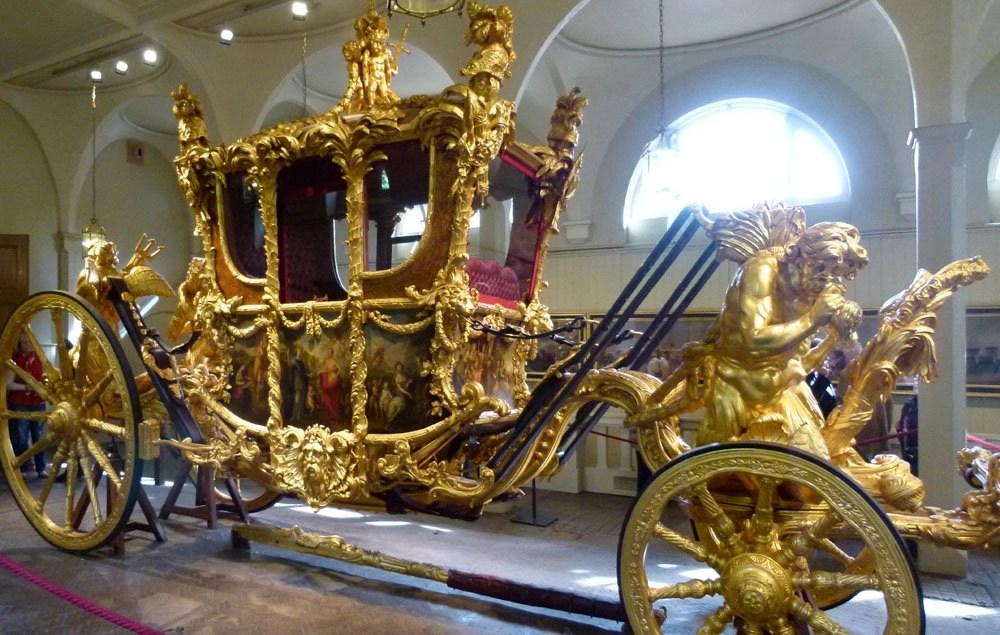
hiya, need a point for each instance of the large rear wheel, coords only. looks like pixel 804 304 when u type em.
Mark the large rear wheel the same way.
pixel 89 423
pixel 768 520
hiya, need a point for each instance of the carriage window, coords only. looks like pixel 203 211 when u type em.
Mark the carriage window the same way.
pixel 311 225
pixel 503 248
pixel 244 226
pixel 397 194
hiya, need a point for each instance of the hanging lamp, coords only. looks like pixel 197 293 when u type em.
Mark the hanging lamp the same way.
pixel 424 9
pixel 94 232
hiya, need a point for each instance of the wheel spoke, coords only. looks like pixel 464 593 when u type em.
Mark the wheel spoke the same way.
pixel 763 517
pixel 58 327
pixel 88 475
pixel 97 425
pixel 831 548
pixel 58 458
pixel 47 441
pixel 817 619
pixel 47 367
pixel 94 393
pixel 814 536
pixel 97 452
pixel 24 414
pixel 72 465
pixel 83 357
pixel 29 381
pixel 686 589
pixel 822 580
pixel 687 545
pixel 719 520
pixel 717 622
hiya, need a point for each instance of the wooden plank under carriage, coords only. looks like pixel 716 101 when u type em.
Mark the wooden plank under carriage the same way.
pixel 361 318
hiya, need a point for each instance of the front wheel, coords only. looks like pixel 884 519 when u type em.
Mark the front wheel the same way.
pixel 767 516
pixel 89 418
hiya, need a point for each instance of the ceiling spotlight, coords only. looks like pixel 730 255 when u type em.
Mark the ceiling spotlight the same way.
pixel 149 56
pixel 121 67
pixel 226 37
pixel 300 10
pixel 96 76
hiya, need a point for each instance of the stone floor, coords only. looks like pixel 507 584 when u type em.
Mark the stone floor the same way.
pixel 196 583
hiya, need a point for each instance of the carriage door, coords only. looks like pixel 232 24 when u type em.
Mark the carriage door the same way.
pixel 13 273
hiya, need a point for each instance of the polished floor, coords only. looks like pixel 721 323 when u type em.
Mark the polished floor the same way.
pixel 196 583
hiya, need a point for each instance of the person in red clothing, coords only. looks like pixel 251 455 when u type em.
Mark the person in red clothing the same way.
pixel 26 432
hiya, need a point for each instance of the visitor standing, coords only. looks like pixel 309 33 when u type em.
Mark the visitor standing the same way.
pixel 26 432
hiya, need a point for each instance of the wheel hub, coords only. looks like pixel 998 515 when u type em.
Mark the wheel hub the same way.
pixel 756 587
pixel 64 420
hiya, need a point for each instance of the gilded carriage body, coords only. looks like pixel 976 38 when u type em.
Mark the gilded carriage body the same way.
pixel 323 321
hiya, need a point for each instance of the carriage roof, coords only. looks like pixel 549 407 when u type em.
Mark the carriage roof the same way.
pixel 310 209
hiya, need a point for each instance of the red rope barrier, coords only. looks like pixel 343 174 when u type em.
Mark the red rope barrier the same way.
pixel 87 605
pixel 985 444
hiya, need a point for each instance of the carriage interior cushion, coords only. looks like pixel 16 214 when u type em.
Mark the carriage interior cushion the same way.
pixel 495 283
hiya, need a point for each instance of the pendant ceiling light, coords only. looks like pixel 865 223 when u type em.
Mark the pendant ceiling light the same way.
pixel 662 140
pixel 93 233
pixel 424 9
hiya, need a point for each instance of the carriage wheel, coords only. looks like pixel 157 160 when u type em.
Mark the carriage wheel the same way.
pixel 89 423
pixel 759 559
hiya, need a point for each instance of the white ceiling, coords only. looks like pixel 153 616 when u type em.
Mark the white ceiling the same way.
pixel 52 44
pixel 634 24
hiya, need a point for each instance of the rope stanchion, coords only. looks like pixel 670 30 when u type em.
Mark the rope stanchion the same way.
pixel 87 605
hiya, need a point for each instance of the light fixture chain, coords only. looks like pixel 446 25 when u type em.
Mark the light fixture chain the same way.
pixel 93 153
pixel 663 125
pixel 305 44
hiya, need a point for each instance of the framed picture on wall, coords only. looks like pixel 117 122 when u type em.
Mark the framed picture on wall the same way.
pixel 551 350
pixel 982 353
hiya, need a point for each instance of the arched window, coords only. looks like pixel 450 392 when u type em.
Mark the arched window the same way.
pixel 731 154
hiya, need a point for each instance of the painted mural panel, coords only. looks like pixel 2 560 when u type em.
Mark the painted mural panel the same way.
pixel 399 398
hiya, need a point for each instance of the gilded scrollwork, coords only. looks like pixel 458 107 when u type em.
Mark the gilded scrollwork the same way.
pixel 453 306
pixel 442 479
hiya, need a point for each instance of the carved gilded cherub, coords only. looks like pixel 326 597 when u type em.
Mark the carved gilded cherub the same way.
pixel 371 64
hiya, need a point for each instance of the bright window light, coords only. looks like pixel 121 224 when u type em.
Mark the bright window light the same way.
pixel 149 56
pixel 121 67
pixel 96 76
pixel 226 36
pixel 732 154
pixel 387 523
pixel 300 10
pixel 328 512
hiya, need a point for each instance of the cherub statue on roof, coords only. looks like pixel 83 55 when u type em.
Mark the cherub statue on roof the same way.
pixel 371 64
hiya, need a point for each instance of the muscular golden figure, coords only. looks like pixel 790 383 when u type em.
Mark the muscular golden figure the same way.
pixel 781 297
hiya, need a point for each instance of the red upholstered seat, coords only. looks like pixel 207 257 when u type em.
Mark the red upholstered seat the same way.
pixel 492 279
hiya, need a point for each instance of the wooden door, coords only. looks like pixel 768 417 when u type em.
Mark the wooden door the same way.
pixel 13 273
